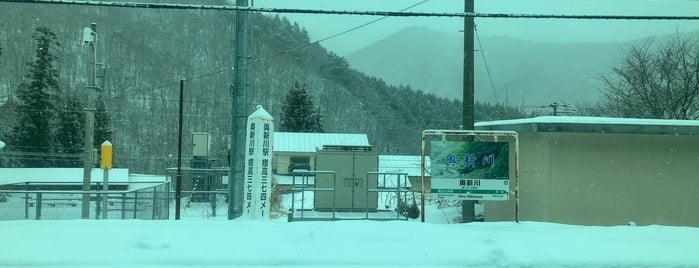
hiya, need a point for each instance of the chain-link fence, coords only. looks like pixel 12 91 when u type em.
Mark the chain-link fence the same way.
pixel 42 201
pixel 204 192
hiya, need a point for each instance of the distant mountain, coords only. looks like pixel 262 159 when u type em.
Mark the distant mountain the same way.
pixel 525 72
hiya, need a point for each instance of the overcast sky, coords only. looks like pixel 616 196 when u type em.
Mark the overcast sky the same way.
pixel 552 30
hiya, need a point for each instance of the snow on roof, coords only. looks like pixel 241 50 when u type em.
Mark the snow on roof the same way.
pixel 592 120
pixel 51 175
pixel 309 142
pixel 594 125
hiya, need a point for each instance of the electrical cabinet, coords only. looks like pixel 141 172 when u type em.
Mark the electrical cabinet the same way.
pixel 351 165
pixel 201 144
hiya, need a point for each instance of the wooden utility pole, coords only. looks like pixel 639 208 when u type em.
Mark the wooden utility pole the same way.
pixel 89 39
pixel 239 109
pixel 178 180
pixel 467 206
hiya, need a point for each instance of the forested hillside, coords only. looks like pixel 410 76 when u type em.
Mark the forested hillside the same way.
pixel 145 52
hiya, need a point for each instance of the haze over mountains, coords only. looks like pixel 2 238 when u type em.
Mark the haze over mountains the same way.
pixel 524 73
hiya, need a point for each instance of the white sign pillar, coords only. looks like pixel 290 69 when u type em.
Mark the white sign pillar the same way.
pixel 258 165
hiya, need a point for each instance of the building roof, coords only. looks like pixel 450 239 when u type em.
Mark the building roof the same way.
pixel 310 142
pixel 594 125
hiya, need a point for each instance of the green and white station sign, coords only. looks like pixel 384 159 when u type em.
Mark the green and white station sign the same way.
pixel 475 170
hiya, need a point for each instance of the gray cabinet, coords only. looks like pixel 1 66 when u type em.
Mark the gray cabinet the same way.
pixel 351 165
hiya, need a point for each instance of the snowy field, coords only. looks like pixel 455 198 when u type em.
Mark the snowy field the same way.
pixel 216 242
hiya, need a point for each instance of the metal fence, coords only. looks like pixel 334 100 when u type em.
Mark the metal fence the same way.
pixel 391 190
pixel 207 204
pixel 50 201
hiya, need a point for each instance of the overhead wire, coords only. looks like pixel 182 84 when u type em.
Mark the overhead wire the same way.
pixel 383 14
pixel 336 35
pixel 485 62
pixel 346 12
pixel 265 58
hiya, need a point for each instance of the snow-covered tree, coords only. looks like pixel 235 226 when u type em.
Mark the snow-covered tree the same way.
pixel 298 112
pixel 37 96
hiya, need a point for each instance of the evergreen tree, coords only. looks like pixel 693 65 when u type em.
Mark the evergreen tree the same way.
pixel 36 107
pixel 70 133
pixel 298 112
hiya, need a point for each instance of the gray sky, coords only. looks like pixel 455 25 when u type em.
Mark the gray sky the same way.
pixel 550 30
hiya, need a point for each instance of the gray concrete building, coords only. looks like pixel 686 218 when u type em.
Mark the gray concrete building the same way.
pixel 603 171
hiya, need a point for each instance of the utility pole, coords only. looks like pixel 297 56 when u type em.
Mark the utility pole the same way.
pixel 239 114
pixel 89 39
pixel 467 206
pixel 178 180
pixel 555 107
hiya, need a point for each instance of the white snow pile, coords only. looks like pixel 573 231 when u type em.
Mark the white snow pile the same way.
pixel 242 243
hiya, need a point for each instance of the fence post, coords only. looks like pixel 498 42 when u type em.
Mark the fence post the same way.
pixel 98 205
pixel 167 199
pixel 26 200
pixel 213 204
pixel 135 201
pixel 154 203
pixel 123 206
pixel 212 196
pixel 38 206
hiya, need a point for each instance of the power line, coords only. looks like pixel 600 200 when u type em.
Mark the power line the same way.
pixel 332 36
pixel 265 58
pixel 384 14
pixel 360 13
pixel 487 69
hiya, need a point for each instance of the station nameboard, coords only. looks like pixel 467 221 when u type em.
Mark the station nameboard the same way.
pixel 475 170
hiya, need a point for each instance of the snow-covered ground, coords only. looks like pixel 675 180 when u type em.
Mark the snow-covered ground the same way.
pixel 216 242
pixel 206 239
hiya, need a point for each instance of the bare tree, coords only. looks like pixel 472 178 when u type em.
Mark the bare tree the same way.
pixel 656 81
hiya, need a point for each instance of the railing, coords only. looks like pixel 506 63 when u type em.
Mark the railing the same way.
pixel 306 186
pixel 146 200
pixel 387 189
pixel 391 187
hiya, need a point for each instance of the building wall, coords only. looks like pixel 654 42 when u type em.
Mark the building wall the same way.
pixel 605 179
